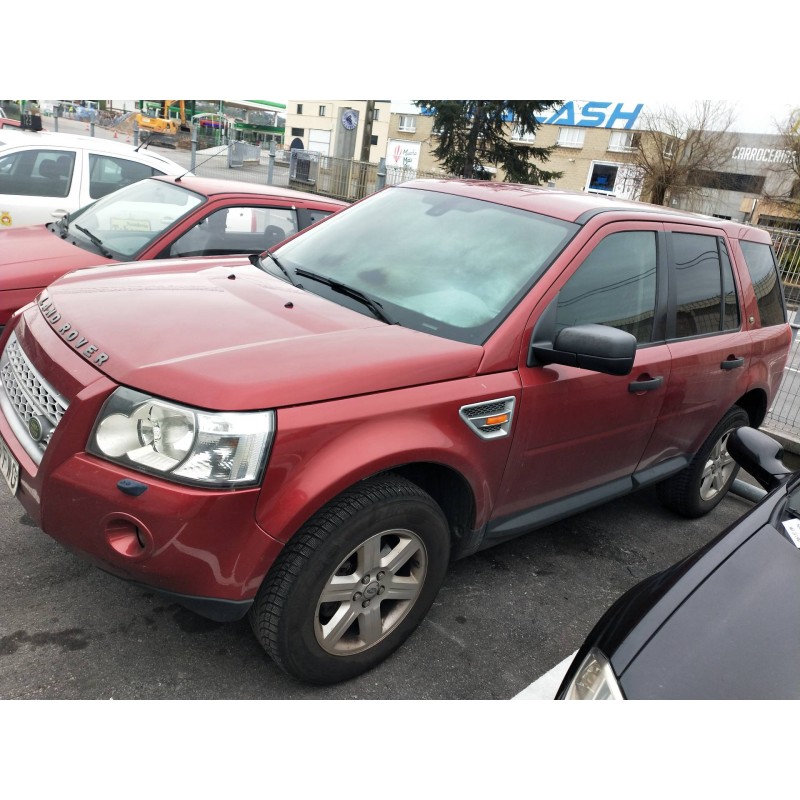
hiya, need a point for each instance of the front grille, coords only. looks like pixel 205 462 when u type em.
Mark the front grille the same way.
pixel 26 395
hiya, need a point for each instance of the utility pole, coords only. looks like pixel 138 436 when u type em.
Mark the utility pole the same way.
pixel 366 144
pixel 366 134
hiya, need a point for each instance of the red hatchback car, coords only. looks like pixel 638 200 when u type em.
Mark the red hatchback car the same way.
pixel 159 217
pixel 310 436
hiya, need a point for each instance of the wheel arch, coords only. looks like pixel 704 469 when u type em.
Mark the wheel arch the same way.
pixel 452 493
pixel 754 403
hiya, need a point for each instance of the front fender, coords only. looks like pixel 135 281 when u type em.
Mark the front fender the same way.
pixel 322 449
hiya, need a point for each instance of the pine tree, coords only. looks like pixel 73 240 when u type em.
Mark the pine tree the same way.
pixel 474 134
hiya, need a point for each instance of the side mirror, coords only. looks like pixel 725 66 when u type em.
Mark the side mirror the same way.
pixel 594 347
pixel 760 455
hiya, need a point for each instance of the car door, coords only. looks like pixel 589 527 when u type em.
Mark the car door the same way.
pixel 579 434
pixel 37 185
pixel 708 345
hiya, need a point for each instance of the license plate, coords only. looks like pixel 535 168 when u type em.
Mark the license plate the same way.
pixel 9 467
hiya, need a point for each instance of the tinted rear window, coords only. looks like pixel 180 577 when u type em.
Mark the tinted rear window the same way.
pixel 763 271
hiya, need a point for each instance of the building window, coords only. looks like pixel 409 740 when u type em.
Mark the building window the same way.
pixel 623 141
pixel 670 148
pixel 322 111
pixel 603 178
pixel 299 108
pixel 570 137
pixel 408 124
pixel 373 140
pixel 727 181
pixel 517 135
pixel 298 131
pixel 375 113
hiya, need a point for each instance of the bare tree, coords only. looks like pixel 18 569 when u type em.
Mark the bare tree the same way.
pixel 782 193
pixel 681 153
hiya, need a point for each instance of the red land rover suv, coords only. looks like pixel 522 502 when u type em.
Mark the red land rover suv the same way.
pixel 310 435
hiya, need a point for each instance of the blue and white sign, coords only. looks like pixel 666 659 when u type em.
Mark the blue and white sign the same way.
pixel 594 114
pixel 583 114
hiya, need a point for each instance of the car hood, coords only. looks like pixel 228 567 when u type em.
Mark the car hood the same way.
pixel 35 256
pixel 735 636
pixel 229 336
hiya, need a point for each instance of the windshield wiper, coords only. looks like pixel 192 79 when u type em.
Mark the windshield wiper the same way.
pixel 96 241
pixel 373 305
pixel 256 261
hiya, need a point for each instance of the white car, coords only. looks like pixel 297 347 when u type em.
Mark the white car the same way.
pixel 45 175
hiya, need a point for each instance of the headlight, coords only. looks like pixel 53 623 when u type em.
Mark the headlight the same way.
pixel 181 443
pixel 594 680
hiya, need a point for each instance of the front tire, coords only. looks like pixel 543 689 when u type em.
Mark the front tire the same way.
pixel 700 486
pixel 354 582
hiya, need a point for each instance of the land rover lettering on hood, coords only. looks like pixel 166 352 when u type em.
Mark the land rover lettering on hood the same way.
pixel 309 436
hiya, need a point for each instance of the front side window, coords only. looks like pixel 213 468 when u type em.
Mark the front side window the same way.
pixel 706 299
pixel 763 271
pixel 614 286
pixel 241 229
pixel 37 173
pixel 109 173
pixel 435 262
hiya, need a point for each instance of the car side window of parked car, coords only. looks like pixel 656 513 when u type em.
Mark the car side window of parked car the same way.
pixel 763 269
pixel 108 173
pixel 37 173
pixel 615 286
pixel 706 300
pixel 239 229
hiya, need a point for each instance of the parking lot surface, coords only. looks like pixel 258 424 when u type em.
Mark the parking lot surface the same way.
pixel 503 618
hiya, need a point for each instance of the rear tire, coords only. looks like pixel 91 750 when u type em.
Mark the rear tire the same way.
pixel 354 582
pixel 700 486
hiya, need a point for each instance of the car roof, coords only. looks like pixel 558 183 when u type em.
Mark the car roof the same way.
pixel 15 137
pixel 217 186
pixel 578 207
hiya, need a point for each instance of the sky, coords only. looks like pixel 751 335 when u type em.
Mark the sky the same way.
pixel 674 57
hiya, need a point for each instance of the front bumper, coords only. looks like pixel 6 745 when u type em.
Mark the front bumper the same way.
pixel 202 547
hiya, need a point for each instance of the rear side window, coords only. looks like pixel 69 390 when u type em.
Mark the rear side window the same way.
pixel 615 286
pixel 316 214
pixel 763 271
pixel 108 173
pixel 705 289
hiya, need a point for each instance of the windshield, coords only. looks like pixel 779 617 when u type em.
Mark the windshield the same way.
pixel 128 220
pixel 440 263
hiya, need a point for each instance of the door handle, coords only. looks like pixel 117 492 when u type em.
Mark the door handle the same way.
pixel 732 363
pixel 645 385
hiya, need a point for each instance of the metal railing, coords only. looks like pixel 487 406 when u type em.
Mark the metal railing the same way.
pixel 787 250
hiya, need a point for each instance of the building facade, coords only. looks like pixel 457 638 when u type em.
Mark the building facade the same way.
pixel 339 128
pixel 595 150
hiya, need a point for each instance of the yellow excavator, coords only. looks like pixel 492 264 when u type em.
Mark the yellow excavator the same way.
pixel 162 128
